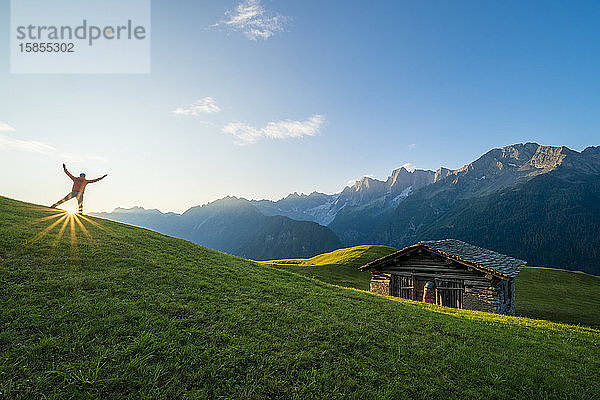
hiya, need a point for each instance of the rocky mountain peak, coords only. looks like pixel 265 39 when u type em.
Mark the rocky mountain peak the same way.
pixel 441 174
pixel 294 195
pixel 591 151
pixel 495 170
pixel 402 178
pixel 134 209
pixel 548 157
pixel 504 167
pixel 367 183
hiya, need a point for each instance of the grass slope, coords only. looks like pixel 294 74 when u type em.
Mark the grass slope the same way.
pixel 127 313
pixel 546 293
pixel 339 267
pixel 559 295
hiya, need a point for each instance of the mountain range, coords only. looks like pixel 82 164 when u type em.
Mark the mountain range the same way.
pixel 235 226
pixel 538 203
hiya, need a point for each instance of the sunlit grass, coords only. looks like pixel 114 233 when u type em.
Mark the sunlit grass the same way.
pixel 339 267
pixel 60 232
pixel 347 255
pixel 65 218
pixel 147 316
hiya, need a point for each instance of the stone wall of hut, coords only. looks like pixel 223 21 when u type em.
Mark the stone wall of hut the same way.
pixel 380 283
pixel 480 298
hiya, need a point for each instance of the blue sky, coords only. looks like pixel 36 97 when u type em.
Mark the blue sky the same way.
pixel 363 87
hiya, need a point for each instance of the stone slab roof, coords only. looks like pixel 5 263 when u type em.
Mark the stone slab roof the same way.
pixel 466 253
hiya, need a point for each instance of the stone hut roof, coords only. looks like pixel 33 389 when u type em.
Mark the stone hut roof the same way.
pixel 465 253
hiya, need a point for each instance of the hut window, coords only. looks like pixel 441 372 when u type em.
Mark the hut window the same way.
pixel 449 293
pixel 402 286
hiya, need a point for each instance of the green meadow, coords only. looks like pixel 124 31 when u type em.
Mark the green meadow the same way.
pixel 544 293
pixel 93 309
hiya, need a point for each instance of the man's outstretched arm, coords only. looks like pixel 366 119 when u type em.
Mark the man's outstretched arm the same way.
pixel 97 179
pixel 67 171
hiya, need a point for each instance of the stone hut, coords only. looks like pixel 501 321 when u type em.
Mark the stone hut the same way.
pixel 450 273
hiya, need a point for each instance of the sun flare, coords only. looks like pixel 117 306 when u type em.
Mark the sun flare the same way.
pixel 71 211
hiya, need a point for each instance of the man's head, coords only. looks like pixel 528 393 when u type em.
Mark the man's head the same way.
pixel 82 175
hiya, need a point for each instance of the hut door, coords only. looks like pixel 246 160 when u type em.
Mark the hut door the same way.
pixel 419 289
pixel 407 287
pixel 449 293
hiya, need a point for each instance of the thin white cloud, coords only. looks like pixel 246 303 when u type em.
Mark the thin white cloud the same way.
pixel 207 105
pixel 412 146
pixel 4 127
pixel 247 134
pixel 251 18
pixel 7 143
pixel 35 146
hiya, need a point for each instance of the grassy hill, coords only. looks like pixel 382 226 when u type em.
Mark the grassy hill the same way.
pixel 339 267
pixel 95 309
pixel 547 293
pixel 559 295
